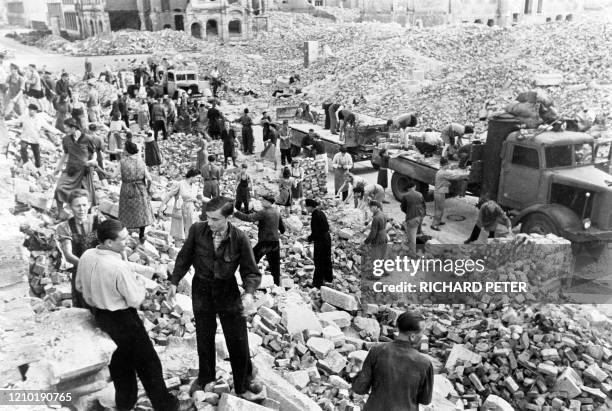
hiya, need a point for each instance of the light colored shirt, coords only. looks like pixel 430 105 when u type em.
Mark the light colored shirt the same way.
pixel 108 282
pixel 32 126
pixel 34 81
pixel 342 161
pixel 443 179
pixel 93 98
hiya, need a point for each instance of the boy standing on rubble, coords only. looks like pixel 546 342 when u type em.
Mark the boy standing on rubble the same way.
pixel 216 248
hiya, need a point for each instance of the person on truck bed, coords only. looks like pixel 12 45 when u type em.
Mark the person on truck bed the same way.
pixel 347 118
pixel 489 216
pixel 443 179
pixel 308 143
pixel 334 108
pixel 429 145
pixel 451 136
pixel 402 122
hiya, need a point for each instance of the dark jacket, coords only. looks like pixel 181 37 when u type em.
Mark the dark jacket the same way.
pixel 158 113
pixel 319 147
pixel 269 222
pixel 378 232
pixel 307 141
pixel 62 88
pixel 413 205
pixel 220 265
pixel 319 227
pixel 392 365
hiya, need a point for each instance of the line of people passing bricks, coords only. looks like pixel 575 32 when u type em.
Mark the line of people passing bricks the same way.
pixel 113 289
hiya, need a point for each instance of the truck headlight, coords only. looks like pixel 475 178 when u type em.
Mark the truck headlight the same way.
pixel 586 223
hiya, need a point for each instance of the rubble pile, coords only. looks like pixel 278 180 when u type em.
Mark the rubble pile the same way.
pixel 133 42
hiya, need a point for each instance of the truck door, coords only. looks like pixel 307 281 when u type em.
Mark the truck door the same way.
pixel 519 184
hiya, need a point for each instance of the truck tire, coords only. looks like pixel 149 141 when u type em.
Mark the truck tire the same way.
pixel 538 223
pixel 399 184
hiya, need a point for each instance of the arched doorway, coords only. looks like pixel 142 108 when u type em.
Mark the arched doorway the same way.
pixel 92 28
pixel 212 29
pixel 196 30
pixel 101 27
pixel 235 28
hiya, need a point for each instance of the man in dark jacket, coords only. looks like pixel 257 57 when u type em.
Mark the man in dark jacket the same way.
pixel 247 132
pixel 308 144
pixel 399 377
pixel 216 248
pixel 62 87
pixel 413 204
pixel 270 226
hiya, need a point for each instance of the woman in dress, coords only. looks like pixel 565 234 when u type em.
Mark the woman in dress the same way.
pixel 144 118
pixel 229 144
pixel 297 173
pixel 152 154
pixel 383 178
pixel 134 204
pixel 76 235
pixel 244 189
pixel 285 184
pixel 202 154
pixel 184 199
pixel 319 235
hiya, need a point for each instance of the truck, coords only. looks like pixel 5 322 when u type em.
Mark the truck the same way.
pixel 360 140
pixel 555 182
pixel 173 80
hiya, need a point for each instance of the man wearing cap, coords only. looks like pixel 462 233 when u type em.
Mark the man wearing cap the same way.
pixel 319 235
pixel 377 238
pixel 14 101
pixel 342 163
pixel 62 87
pixel 270 226
pixel 93 102
pixel 395 374
pixel 211 174
pixel 31 126
pixel 284 135
pixel 216 248
pixel 80 158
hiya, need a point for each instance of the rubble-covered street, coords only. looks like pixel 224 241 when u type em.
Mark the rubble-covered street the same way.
pixel 308 345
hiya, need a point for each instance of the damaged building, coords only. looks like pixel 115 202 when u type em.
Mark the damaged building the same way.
pixel 226 20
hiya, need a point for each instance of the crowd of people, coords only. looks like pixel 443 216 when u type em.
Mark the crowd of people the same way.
pixel 104 281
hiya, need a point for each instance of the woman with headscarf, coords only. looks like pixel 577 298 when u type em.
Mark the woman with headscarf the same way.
pixel 184 199
pixel 135 210
pixel 319 235
pixel 297 173
pixel 144 116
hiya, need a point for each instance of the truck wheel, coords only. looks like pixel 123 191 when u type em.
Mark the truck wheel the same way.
pixel 538 223
pixel 399 185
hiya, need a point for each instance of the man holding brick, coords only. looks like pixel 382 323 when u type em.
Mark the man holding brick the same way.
pixel 216 248
pixel 399 377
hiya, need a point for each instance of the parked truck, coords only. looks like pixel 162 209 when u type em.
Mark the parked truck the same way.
pixel 172 80
pixel 551 182
pixel 359 141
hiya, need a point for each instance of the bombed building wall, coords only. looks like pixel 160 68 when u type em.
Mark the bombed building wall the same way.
pixel 231 20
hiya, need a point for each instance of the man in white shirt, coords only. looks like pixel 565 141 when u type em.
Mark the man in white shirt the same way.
pixel 32 125
pixel 93 102
pixel 342 164
pixel 114 291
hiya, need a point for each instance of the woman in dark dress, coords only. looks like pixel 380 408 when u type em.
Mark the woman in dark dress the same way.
pixel 382 171
pixel 228 137
pixel 319 228
pixel 76 235
pixel 152 154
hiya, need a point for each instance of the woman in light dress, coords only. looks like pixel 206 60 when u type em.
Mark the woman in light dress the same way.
pixel 183 211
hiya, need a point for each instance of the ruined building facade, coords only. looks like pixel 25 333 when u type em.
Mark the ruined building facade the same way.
pixel 227 20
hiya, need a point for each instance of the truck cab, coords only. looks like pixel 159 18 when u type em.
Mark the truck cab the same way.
pixel 556 182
